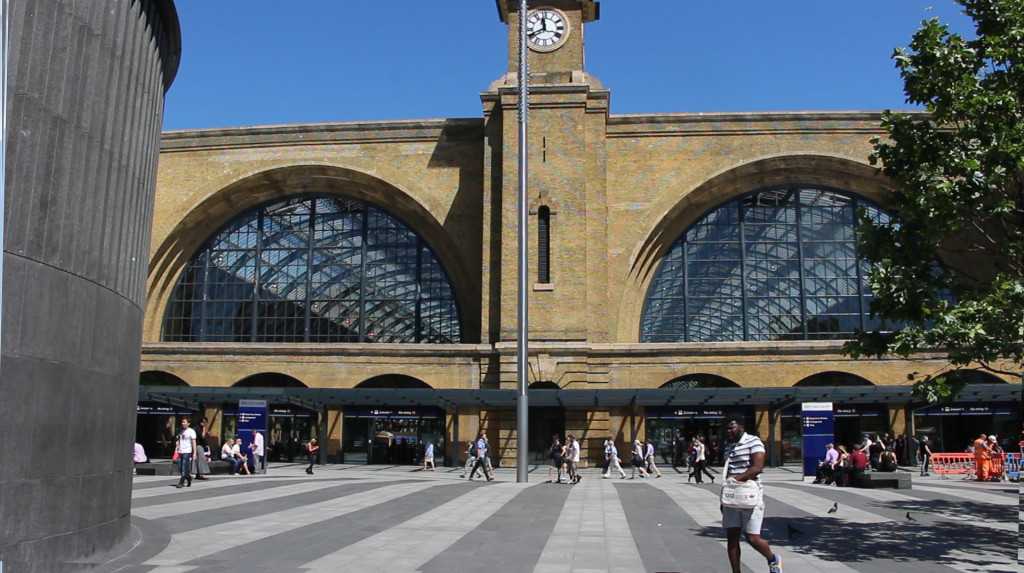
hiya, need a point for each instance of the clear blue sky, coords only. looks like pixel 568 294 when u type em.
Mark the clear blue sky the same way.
pixel 263 62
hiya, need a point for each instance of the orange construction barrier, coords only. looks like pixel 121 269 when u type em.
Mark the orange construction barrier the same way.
pixel 998 467
pixel 963 463
pixel 958 463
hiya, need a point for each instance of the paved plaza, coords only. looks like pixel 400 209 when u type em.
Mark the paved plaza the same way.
pixel 393 519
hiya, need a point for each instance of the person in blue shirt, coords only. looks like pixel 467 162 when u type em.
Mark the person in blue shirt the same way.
pixel 481 458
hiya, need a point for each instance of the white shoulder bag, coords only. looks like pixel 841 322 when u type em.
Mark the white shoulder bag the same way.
pixel 739 494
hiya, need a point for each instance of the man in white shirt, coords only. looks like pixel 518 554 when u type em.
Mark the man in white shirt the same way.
pixel 613 460
pixel 186 448
pixel 574 459
pixel 257 450
pixel 744 461
pixel 236 452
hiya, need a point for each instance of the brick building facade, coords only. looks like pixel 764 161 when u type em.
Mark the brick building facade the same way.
pixel 610 196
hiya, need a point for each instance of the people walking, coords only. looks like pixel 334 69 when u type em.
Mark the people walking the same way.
pixel 636 459
pixel 744 462
pixel 470 458
pixel 573 458
pixel 428 455
pixel 186 448
pixel 700 459
pixel 311 450
pixel 481 458
pixel 649 458
pixel 555 458
pixel 613 462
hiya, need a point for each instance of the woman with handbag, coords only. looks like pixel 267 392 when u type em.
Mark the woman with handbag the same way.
pixel 637 460
pixel 743 495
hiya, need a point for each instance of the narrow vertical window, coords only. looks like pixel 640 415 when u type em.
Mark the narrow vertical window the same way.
pixel 544 245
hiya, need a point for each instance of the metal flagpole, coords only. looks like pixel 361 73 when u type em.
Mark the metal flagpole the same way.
pixel 4 30
pixel 523 405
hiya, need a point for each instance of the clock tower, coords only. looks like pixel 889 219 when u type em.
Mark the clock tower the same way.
pixel 566 193
pixel 554 35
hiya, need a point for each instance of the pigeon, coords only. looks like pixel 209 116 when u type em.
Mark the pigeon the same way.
pixel 793 532
pixel 835 507
pixel 910 518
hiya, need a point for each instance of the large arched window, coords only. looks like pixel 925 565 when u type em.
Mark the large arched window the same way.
pixel 314 268
pixel 776 264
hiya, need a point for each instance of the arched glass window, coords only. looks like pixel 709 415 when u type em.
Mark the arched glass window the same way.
pixel 314 268
pixel 776 264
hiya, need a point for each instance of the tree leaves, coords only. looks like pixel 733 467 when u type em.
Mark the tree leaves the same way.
pixel 958 171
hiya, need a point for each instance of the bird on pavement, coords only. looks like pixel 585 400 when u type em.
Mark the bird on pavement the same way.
pixel 793 532
pixel 835 507
pixel 910 518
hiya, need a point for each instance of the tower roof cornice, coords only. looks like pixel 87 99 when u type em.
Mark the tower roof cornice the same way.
pixel 590 9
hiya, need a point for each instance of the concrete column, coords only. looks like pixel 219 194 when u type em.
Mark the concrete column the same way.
pixel 85 108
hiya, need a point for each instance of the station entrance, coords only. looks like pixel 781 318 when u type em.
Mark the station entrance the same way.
pixel 394 436
pixel 544 422
pixel 673 428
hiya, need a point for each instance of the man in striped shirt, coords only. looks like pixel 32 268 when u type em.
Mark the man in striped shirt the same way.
pixel 745 461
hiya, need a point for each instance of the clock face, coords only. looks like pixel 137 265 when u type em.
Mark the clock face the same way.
pixel 546 29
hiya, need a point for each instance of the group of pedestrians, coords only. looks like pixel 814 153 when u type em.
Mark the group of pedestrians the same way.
pixel 191 451
pixel 698 461
pixel 231 452
pixel 564 459
pixel 841 465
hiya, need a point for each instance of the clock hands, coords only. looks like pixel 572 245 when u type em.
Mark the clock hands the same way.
pixel 536 30
pixel 540 27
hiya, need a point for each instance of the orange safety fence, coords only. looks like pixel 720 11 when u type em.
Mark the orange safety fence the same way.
pixel 959 463
pixel 963 463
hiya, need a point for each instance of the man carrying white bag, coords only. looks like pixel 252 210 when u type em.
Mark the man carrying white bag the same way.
pixel 743 495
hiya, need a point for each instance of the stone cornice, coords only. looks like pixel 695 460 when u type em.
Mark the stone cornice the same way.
pixel 746 123
pixel 426 130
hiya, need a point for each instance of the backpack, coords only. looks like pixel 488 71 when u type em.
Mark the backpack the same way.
pixel 472 449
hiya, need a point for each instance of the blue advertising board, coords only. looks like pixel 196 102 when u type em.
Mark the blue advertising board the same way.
pixel 252 428
pixel 819 432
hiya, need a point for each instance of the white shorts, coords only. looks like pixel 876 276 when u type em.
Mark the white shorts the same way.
pixel 749 520
pixel 428 459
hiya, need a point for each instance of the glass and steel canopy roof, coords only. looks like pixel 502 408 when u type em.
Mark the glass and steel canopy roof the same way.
pixel 450 399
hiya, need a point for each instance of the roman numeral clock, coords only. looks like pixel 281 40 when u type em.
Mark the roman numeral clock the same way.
pixel 547 29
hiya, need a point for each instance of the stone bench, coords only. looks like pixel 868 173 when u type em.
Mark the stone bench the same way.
pixel 169 468
pixel 872 480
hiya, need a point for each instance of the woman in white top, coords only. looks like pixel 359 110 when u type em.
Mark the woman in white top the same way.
pixel 637 460
pixel 228 455
pixel 699 458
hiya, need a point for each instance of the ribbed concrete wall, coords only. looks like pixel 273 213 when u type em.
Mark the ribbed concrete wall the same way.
pixel 86 83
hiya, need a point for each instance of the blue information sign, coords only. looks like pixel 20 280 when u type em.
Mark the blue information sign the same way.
pixel 819 432
pixel 252 428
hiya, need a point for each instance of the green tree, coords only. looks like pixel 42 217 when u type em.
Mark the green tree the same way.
pixel 958 174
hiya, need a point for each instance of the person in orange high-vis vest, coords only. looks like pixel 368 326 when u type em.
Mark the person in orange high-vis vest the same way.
pixel 982 458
